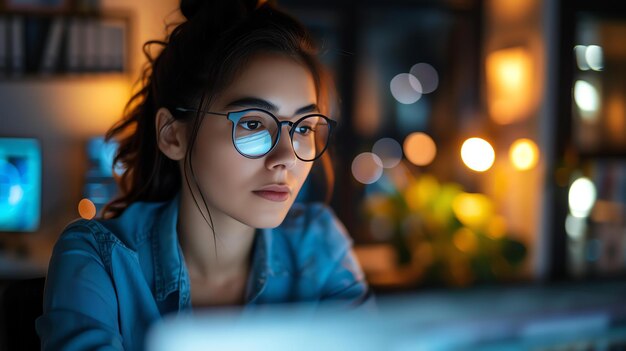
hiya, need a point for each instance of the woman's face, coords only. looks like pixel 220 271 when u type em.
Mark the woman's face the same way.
pixel 256 192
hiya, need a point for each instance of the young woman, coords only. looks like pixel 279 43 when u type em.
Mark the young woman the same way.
pixel 231 118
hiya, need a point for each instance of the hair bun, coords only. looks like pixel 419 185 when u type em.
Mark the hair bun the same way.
pixel 191 8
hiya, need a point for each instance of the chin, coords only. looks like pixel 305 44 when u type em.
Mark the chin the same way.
pixel 267 219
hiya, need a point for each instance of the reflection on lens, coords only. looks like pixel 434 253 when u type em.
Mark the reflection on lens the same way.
pixel 255 144
pixel 256 132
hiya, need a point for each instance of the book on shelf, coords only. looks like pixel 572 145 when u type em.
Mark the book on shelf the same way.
pixel 16 59
pixel 112 50
pixel 50 45
pixel 75 39
pixel 52 49
pixel 90 44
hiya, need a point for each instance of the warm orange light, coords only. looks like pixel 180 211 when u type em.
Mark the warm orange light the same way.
pixel 86 209
pixel 524 154
pixel 497 227
pixel 510 10
pixel 509 84
pixel 112 95
pixel 465 240
pixel 616 118
pixel 420 149
pixel 477 154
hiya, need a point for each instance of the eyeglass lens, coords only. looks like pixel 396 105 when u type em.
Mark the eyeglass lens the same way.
pixel 256 132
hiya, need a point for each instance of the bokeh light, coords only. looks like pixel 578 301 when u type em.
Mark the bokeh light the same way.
pixel 367 168
pixel 405 88
pixel 86 209
pixel 594 57
pixel 420 149
pixel 427 76
pixel 473 210
pixel 389 151
pixel 477 154
pixel 580 52
pixel 524 154
pixel 582 196
pixel 465 240
pixel 587 99
pixel 510 84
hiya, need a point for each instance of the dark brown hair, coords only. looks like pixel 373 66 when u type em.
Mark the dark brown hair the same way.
pixel 199 58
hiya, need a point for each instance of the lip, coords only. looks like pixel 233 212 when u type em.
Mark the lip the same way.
pixel 274 192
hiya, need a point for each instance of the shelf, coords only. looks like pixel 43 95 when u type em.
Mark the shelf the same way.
pixel 47 44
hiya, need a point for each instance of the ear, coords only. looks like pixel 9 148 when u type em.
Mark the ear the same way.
pixel 171 135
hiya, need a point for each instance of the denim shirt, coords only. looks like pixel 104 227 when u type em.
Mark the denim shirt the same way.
pixel 109 280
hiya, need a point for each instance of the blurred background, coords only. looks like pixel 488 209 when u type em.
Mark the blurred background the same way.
pixel 480 141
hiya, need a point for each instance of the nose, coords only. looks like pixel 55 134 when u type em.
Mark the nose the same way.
pixel 283 154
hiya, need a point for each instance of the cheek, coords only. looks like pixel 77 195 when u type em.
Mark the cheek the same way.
pixel 215 161
pixel 301 172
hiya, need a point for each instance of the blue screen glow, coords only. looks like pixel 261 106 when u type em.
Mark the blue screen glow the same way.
pixel 20 184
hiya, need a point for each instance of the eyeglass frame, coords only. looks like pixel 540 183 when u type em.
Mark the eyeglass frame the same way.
pixel 332 124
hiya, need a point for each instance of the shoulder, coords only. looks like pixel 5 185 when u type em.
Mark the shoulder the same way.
pixel 86 238
pixel 129 229
pixel 314 228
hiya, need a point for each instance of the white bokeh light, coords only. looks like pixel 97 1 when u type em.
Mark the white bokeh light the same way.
pixel 587 98
pixel 427 75
pixel 582 197
pixel 405 88
pixel 389 151
pixel 478 154
pixel 367 168
pixel 581 61
pixel 594 57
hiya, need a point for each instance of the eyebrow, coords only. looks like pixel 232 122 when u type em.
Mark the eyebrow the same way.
pixel 266 105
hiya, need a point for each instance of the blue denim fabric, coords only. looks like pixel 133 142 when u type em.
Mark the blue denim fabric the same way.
pixel 109 280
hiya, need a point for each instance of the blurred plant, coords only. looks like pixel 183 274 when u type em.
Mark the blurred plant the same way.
pixel 441 234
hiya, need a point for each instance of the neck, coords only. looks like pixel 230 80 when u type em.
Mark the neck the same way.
pixel 216 254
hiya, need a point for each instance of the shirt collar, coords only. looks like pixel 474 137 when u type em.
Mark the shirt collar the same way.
pixel 167 259
pixel 261 267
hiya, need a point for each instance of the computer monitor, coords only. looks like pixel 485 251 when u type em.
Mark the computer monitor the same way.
pixel 101 154
pixel 20 184
pixel 100 186
pixel 572 316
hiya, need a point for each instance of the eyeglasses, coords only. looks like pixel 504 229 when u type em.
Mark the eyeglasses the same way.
pixel 256 132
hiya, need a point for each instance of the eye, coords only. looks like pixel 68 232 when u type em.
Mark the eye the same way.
pixel 304 130
pixel 250 125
